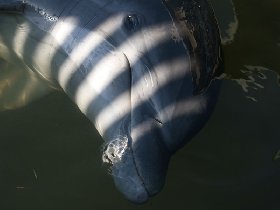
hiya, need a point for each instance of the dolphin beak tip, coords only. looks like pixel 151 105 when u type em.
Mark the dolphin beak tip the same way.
pixel 140 198
pixel 132 189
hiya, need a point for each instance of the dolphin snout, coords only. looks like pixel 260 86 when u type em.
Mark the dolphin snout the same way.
pixel 119 155
pixel 138 162
pixel 150 155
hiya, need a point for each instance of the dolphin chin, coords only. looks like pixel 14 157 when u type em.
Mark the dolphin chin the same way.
pixel 122 165
pixel 132 188
pixel 138 162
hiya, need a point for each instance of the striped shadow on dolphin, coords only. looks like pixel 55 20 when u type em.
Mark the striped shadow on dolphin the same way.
pixel 143 72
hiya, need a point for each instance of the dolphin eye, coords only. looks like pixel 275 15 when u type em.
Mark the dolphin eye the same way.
pixel 131 22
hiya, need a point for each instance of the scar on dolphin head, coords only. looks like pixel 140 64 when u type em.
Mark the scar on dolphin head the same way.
pixel 114 150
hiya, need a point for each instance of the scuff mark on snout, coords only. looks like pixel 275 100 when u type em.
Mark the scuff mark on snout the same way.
pixel 118 155
pixel 114 150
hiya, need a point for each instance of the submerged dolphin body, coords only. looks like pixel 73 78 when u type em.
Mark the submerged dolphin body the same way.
pixel 142 71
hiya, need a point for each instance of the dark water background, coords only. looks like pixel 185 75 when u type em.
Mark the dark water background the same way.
pixel 50 154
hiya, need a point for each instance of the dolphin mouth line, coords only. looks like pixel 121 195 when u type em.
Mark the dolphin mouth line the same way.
pixel 118 156
pixel 128 64
pixel 139 175
pixel 129 140
pixel 129 147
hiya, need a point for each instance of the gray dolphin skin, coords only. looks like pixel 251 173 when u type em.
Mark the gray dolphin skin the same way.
pixel 143 72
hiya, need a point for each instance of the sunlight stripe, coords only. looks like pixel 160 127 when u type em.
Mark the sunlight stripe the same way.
pixel 82 51
pixel 20 38
pixel 47 48
pixel 108 115
pixel 84 96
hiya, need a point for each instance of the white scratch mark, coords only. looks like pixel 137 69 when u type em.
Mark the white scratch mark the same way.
pixel 115 150
pixel 147 83
pixel 43 12
pixel 152 81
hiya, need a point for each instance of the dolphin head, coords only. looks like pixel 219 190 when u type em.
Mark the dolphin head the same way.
pixel 145 103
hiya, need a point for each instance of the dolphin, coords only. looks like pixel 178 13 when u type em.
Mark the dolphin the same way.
pixel 143 72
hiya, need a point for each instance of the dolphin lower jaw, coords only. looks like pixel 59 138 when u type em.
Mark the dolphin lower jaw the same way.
pixel 138 159
pixel 119 155
pixel 150 155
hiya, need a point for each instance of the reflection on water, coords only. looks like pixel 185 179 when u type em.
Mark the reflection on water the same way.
pixel 227 18
pixel 50 154
pixel 255 79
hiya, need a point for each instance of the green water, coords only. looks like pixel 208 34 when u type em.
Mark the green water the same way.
pixel 50 153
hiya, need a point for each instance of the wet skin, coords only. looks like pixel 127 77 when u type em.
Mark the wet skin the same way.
pixel 142 72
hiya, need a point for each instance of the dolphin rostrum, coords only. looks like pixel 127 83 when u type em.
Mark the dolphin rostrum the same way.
pixel 143 72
